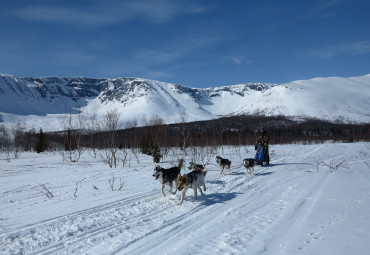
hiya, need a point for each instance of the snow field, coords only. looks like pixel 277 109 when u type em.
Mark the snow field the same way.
pixel 293 206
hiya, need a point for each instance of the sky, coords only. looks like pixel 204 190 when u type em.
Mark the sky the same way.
pixel 194 43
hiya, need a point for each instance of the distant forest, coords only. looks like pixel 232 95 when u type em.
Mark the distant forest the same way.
pixel 226 131
pixel 235 130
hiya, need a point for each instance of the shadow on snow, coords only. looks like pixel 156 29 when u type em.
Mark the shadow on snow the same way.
pixel 216 198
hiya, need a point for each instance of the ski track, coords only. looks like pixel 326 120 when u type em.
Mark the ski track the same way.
pixel 270 203
pixel 78 226
pixel 235 181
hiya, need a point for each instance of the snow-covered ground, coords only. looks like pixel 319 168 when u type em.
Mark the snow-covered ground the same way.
pixel 294 206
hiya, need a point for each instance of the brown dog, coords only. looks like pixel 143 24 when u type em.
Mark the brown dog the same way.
pixel 194 180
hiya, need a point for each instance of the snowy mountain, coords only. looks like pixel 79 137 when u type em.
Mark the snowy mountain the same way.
pixel 43 102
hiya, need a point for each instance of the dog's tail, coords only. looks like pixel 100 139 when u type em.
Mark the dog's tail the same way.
pixel 181 162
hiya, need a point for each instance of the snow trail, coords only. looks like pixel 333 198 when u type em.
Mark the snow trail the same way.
pixel 291 206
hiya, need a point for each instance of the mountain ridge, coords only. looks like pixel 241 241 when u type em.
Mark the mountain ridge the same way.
pixel 42 100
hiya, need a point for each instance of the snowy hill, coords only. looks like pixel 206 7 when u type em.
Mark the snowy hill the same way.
pixel 43 102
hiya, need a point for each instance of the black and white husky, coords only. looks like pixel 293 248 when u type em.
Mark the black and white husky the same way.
pixel 223 162
pixel 194 180
pixel 249 165
pixel 192 166
pixel 168 176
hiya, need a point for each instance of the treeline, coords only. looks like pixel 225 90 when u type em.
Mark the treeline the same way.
pixel 236 130
pixel 240 130
pixel 232 131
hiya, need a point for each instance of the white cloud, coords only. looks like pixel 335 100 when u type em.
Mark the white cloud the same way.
pixel 161 11
pixel 355 48
pixel 156 57
pixel 157 11
pixel 72 58
pixel 240 60
pixel 65 15
pixel 173 51
pixel 159 75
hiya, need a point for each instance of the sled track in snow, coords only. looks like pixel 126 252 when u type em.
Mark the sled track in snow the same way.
pixel 249 207
pixel 202 212
pixel 200 215
pixel 85 224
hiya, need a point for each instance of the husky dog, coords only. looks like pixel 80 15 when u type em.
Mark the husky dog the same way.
pixel 223 162
pixel 192 166
pixel 249 165
pixel 194 180
pixel 168 176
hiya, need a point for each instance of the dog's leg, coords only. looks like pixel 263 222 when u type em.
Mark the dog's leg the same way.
pixel 182 196
pixel 170 184
pixel 173 192
pixel 203 183
pixel 195 190
pixel 222 169
pixel 200 190
pixel 199 184
pixel 162 190
pixel 176 183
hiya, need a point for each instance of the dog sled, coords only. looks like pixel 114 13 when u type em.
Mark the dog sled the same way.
pixel 262 155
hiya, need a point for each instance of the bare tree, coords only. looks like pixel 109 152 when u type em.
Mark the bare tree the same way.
pixel 318 163
pixel 135 152
pixel 334 166
pixel 112 181
pixel 184 132
pixel 76 189
pixel 365 155
pixel 202 154
pixel 110 127
pixel 18 132
pixel 93 128
pixel 125 153
pixel 132 124
pixel 156 120
pixel 5 142
pixel 46 191
pixel 74 126
pixel 220 130
pixel 164 151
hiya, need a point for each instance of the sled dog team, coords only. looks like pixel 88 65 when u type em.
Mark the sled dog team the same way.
pixel 195 178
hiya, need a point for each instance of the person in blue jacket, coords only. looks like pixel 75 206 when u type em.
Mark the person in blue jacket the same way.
pixel 263 139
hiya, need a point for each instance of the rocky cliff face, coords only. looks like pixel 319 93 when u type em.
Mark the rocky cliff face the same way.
pixel 121 89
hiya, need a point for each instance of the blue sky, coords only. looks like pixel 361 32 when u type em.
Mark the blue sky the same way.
pixel 202 43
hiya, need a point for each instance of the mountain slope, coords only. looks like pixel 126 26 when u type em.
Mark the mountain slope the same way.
pixel 44 101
